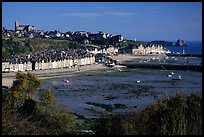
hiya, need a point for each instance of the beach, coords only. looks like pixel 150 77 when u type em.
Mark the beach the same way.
pixel 8 78
pixel 127 57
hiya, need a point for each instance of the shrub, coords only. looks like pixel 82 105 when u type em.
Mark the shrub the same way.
pixel 58 120
pixel 109 125
pixel 22 115
pixel 172 116
pixel 24 87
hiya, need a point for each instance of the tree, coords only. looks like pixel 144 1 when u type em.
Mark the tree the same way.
pixel 48 98
pixel 24 87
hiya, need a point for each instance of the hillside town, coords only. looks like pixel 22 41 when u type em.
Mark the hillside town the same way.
pixel 81 36
pixel 97 50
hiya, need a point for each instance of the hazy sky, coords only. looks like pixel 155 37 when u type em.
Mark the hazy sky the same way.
pixel 140 20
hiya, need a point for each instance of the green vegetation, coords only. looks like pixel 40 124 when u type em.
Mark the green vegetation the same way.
pixel 132 42
pixel 22 115
pixel 172 116
pixel 129 43
pixel 16 46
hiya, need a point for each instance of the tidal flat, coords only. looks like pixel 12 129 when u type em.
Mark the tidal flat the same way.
pixel 92 93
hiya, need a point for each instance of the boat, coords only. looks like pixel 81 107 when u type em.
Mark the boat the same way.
pixel 138 81
pixel 172 73
pixel 178 78
pixel 168 52
pixel 110 65
pixel 66 81
pixel 169 75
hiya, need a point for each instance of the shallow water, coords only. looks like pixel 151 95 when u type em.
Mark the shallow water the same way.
pixel 106 88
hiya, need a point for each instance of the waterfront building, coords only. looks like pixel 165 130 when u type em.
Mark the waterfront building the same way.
pixel 148 49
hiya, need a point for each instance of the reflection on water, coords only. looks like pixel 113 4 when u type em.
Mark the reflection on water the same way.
pixel 116 88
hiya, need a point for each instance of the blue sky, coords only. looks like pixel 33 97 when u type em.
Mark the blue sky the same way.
pixel 140 20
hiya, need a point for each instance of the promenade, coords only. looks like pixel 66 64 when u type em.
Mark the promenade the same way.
pixel 8 78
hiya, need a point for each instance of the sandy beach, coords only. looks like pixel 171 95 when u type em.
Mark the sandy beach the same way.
pixel 127 57
pixel 8 78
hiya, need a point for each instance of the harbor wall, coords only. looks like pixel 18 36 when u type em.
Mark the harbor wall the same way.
pixel 164 66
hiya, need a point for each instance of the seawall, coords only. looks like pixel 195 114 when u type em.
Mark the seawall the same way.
pixel 164 66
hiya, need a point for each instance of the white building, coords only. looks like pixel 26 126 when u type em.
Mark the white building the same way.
pixel 150 49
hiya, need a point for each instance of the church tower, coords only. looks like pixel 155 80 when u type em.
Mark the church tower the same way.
pixel 16 25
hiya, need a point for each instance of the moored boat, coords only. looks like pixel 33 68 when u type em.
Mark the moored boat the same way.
pixel 178 78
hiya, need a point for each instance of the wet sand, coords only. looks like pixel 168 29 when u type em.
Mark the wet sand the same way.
pixel 127 57
pixel 94 92
pixel 8 78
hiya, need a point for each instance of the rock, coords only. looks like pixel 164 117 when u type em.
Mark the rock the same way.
pixel 180 43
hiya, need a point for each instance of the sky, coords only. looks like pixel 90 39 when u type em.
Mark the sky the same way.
pixel 133 20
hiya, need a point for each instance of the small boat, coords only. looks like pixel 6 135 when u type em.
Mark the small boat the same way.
pixel 66 81
pixel 169 75
pixel 178 78
pixel 110 65
pixel 138 81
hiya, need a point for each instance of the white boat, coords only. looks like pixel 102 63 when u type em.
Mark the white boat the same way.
pixel 169 75
pixel 168 51
pixel 178 78
pixel 138 81
pixel 66 81
pixel 110 65
pixel 172 73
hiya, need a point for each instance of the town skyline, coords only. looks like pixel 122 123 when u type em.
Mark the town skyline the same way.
pixel 143 21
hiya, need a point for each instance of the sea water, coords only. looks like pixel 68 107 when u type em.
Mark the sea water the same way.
pixel 193 47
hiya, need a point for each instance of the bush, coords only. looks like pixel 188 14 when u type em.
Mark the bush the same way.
pixel 58 120
pixel 176 116
pixel 22 115
pixel 15 124
pixel 24 87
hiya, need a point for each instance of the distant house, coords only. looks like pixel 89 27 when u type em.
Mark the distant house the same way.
pixel 117 38
pixel 86 41
pixel 110 49
pixel 67 35
pixel 29 34
pixel 98 36
pixel 54 34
